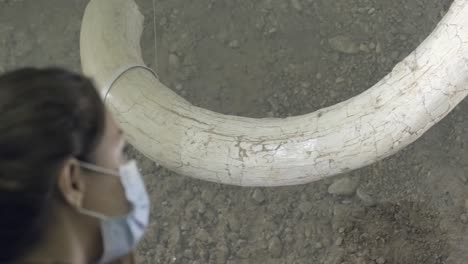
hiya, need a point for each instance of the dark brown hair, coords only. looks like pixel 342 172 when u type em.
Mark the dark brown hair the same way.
pixel 46 116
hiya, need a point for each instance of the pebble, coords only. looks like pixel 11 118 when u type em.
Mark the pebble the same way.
pixel 208 195
pixel 163 21
pixel 466 205
pixel 318 76
pixel 203 236
pixel 179 87
pixel 296 4
pixel 305 85
pixel 363 47
pixel 23 44
pixel 365 198
pixel 464 218
pixel 339 80
pixel 188 253
pixel 201 207
pixel 174 61
pixel 305 207
pixel 343 44
pixel 272 30
pixel 221 253
pixel 381 260
pixel 258 196
pixel 378 48
pixel 234 44
pixel 343 186
pixel 184 226
pixel 395 55
pixel 275 247
pixel 222 36
pixel 234 224
pixel 339 241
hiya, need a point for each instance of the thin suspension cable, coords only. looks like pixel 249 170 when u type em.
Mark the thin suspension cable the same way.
pixel 155 38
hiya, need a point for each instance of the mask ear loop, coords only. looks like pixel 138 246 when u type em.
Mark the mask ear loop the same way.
pixel 92 214
pixel 119 72
pixel 98 169
pixel 95 168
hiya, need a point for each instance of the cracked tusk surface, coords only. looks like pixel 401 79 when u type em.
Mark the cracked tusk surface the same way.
pixel 420 91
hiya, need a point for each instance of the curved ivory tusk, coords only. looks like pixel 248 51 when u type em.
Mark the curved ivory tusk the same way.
pixel 420 91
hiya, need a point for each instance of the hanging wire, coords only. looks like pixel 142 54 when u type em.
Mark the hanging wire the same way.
pixel 155 38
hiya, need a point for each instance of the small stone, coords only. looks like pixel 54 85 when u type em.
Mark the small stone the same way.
pixel 222 36
pixel 234 44
pixel 365 198
pixel 188 253
pixel 305 207
pixel 163 21
pixel 258 196
pixel 305 85
pixel 339 80
pixel 272 30
pixel 466 205
pixel 363 47
pixel 343 186
pixel 179 87
pixel 378 48
pixel 296 4
pixel 203 236
pixel 208 195
pixel 275 247
pixel 318 76
pixel 372 45
pixel 201 207
pixel 289 238
pixel 184 226
pixel 371 11
pixel 380 260
pixel 174 47
pixel 174 60
pixel 343 44
pixel 234 224
pixel 464 218
pixel 243 252
pixel 339 241
pixel 221 254
pixel 318 245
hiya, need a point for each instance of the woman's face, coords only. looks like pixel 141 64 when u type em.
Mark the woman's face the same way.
pixel 104 193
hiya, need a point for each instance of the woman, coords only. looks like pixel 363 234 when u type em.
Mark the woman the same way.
pixel 67 194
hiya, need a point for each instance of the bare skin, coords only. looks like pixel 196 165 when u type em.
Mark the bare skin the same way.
pixel 72 237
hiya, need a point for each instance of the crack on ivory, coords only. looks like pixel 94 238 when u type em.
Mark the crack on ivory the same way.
pixel 430 82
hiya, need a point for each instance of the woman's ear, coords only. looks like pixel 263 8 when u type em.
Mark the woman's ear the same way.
pixel 71 183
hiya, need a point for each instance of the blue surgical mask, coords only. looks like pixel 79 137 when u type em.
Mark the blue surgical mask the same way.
pixel 121 234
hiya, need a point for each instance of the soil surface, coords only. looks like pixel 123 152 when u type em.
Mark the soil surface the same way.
pixel 280 58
